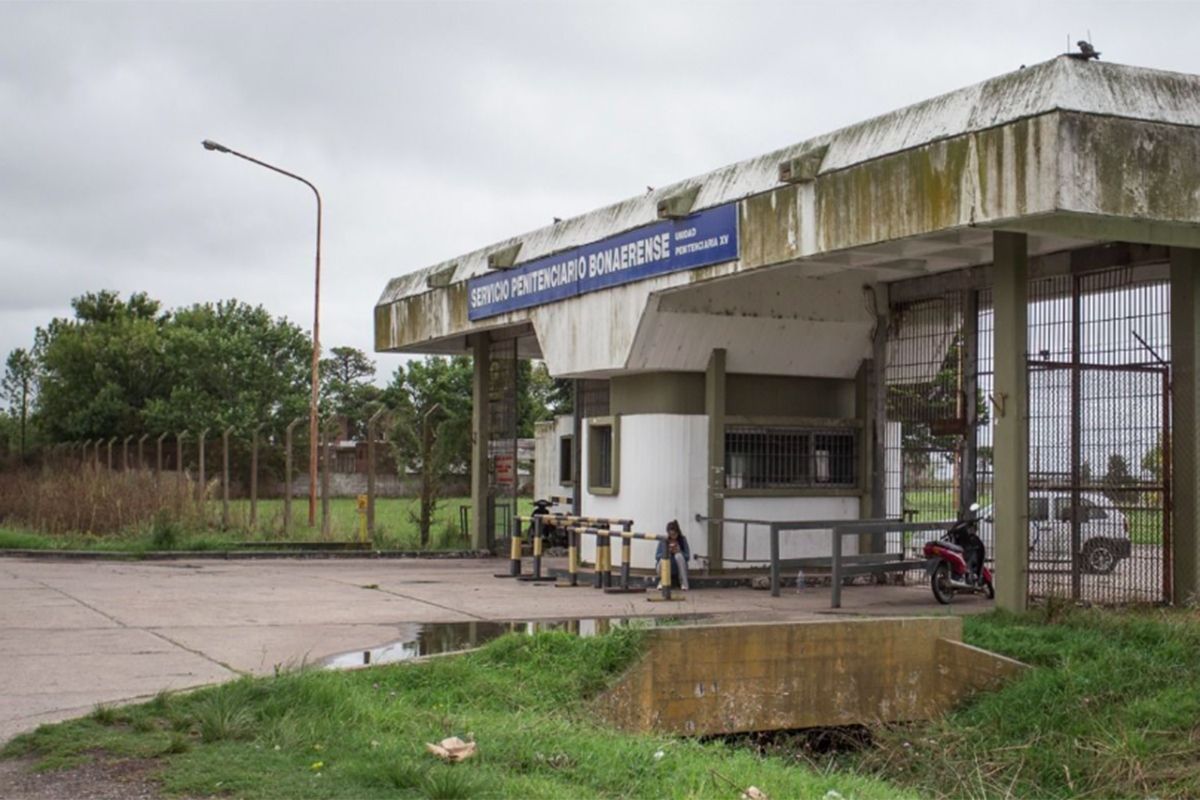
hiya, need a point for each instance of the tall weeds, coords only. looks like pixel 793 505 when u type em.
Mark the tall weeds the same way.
pixel 97 501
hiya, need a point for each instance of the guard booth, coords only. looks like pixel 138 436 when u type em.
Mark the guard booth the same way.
pixel 990 295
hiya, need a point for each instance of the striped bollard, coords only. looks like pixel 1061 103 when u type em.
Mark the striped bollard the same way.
pixel 514 563
pixel 626 559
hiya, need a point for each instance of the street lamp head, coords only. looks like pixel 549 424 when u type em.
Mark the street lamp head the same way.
pixel 209 144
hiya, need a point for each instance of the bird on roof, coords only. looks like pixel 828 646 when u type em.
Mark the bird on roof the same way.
pixel 557 220
pixel 649 189
pixel 1086 51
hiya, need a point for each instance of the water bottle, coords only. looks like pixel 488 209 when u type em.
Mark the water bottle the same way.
pixel 799 581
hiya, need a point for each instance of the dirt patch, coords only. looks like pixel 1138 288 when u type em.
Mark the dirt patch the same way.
pixel 125 779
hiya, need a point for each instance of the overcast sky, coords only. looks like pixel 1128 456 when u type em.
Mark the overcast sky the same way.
pixel 435 128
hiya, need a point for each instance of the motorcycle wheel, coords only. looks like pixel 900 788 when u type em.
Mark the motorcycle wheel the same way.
pixel 990 591
pixel 939 581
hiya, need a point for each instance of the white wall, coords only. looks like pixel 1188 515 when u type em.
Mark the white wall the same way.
pixel 663 461
pixel 797 544
pixel 662 477
pixel 546 467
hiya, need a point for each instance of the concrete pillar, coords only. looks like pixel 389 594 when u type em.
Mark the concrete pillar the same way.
pixel 968 487
pixel 864 402
pixel 1185 424
pixel 714 407
pixel 576 447
pixel 1010 408
pixel 480 434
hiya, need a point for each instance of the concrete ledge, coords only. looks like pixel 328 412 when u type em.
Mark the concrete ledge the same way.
pixel 779 676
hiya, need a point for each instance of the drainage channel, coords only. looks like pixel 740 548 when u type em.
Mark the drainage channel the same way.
pixel 432 638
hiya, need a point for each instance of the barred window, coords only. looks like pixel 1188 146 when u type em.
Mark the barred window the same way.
pixel 789 458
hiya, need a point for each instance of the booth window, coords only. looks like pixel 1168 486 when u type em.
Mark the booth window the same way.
pixel 566 459
pixel 603 455
pixel 759 457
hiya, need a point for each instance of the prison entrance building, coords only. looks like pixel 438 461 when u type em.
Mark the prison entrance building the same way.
pixel 990 296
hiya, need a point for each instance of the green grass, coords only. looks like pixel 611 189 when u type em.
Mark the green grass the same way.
pixel 396 528
pixel 362 734
pixel 13 539
pixel 1112 709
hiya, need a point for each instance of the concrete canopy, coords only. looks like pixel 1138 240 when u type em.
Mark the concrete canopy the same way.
pixel 1067 151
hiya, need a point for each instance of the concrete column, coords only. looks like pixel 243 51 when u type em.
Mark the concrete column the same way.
pixel 1011 410
pixel 714 407
pixel 1185 424
pixel 870 457
pixel 577 447
pixel 968 486
pixel 480 434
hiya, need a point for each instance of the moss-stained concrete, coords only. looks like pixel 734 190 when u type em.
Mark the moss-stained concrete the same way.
pixel 1088 151
pixel 778 676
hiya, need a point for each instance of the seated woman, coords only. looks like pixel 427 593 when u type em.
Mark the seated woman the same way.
pixel 675 547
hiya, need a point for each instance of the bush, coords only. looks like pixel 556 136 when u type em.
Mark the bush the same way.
pixel 92 500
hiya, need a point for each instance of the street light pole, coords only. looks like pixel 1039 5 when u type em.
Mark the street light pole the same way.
pixel 316 348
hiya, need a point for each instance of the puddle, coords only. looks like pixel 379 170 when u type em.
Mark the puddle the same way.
pixel 430 638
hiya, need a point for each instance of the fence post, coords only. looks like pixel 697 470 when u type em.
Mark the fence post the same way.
pixel 325 481
pixel 96 453
pixel 225 478
pixel 111 443
pixel 287 476
pixel 202 486
pixel 158 457
pixel 372 433
pixel 254 477
pixel 125 453
pixel 179 437
pixel 142 451
pixel 83 454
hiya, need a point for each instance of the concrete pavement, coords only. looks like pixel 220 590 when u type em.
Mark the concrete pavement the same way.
pixel 77 633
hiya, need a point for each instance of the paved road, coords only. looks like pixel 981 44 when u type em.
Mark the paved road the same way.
pixel 77 633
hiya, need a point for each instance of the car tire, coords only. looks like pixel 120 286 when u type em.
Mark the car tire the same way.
pixel 1100 557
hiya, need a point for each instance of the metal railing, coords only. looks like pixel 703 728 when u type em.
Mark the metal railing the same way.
pixel 840 566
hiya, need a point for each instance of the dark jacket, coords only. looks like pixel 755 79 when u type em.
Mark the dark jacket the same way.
pixel 683 548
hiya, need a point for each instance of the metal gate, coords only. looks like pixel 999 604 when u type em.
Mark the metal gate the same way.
pixel 503 421
pixel 1099 431
pixel 1099 426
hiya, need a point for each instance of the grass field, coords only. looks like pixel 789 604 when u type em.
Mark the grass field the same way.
pixel 362 734
pixel 395 524
pixel 1109 710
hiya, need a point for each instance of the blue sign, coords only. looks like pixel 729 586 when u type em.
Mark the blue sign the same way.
pixel 704 238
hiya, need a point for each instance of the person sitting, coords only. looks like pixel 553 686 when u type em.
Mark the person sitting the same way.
pixel 674 547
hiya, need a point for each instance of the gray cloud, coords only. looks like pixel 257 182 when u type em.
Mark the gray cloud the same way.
pixel 434 128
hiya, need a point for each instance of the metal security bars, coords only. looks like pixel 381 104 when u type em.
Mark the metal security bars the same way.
pixel 1100 476
pixel 1099 423
pixel 930 384
pixel 759 457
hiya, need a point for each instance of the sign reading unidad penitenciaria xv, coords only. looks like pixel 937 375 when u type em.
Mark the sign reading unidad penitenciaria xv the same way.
pixel 704 238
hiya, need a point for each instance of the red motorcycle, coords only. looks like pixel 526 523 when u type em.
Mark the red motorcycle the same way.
pixel 955 562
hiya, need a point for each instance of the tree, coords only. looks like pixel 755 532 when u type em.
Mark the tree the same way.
pixel 1119 484
pixel 229 364
pixel 548 397
pixel 346 387
pixel 124 367
pixel 431 400
pixel 1152 461
pixel 18 387
pixel 98 370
